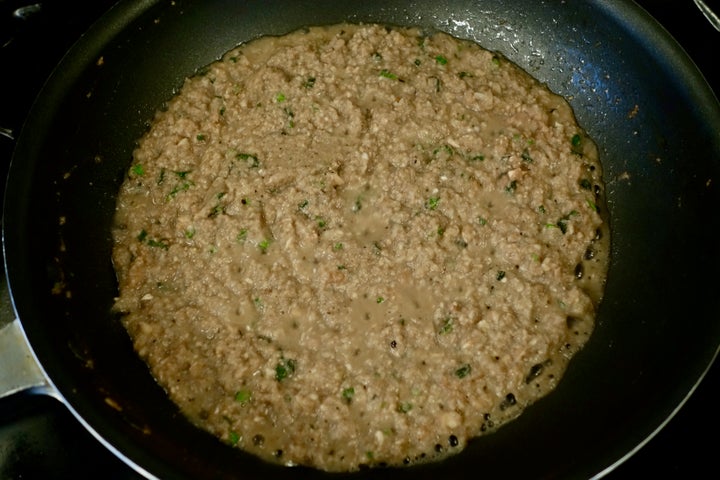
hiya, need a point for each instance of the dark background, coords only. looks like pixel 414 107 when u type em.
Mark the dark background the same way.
pixel 39 438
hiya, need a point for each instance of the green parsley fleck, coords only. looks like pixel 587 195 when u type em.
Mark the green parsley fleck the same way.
pixel 138 170
pixel 280 97
pixel 441 60
pixel 348 394
pixel 157 244
pixel 233 438
pixel 243 396
pixel 264 245
pixel 463 371
pixel 446 327
pixel 284 369
pixel 432 203
pixel 404 407
pixel 252 160
pixel 387 74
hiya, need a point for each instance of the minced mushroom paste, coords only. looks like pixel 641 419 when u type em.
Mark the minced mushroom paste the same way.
pixel 359 245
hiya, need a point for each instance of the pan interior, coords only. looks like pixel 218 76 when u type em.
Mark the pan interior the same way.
pixel 632 88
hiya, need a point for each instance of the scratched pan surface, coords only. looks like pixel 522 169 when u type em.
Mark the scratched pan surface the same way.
pixel 654 118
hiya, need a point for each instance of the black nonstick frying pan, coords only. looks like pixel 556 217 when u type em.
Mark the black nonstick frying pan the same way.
pixel 655 119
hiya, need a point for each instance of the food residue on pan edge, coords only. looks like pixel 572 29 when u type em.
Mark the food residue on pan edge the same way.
pixel 355 245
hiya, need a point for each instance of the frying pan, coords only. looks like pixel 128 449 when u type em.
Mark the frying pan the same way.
pixel 655 120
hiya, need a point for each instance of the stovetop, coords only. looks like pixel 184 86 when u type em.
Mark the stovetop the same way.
pixel 39 438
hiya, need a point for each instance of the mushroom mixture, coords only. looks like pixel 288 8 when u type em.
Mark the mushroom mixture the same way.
pixel 358 245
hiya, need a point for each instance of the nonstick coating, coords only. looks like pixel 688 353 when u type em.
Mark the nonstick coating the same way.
pixel 634 90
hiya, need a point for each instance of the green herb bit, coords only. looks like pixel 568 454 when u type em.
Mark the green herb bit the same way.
pixel 142 235
pixel 243 396
pixel 445 148
pixel 387 74
pixel 242 235
pixel 463 371
pixel 417 62
pixel 446 327
pixel 592 205
pixel 541 209
pixel 321 222
pixel 562 224
pixel 379 300
pixel 180 187
pixel 157 244
pixel 482 221
pixel 138 170
pixel 280 97
pixel 585 184
pixel 303 204
pixel 233 438
pixel 258 303
pixel 284 369
pixel 576 144
pixel 511 187
pixel 432 203
pixel 478 158
pixel 404 407
pixel 500 275
pixel 216 210
pixel 496 60
pixel 182 174
pixel 264 245
pixel 309 83
pixel 338 246
pixel 441 60
pixel 252 160
pixel 190 233
pixel 348 394
pixel 200 137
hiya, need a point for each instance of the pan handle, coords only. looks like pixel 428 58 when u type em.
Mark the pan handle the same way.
pixel 19 370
